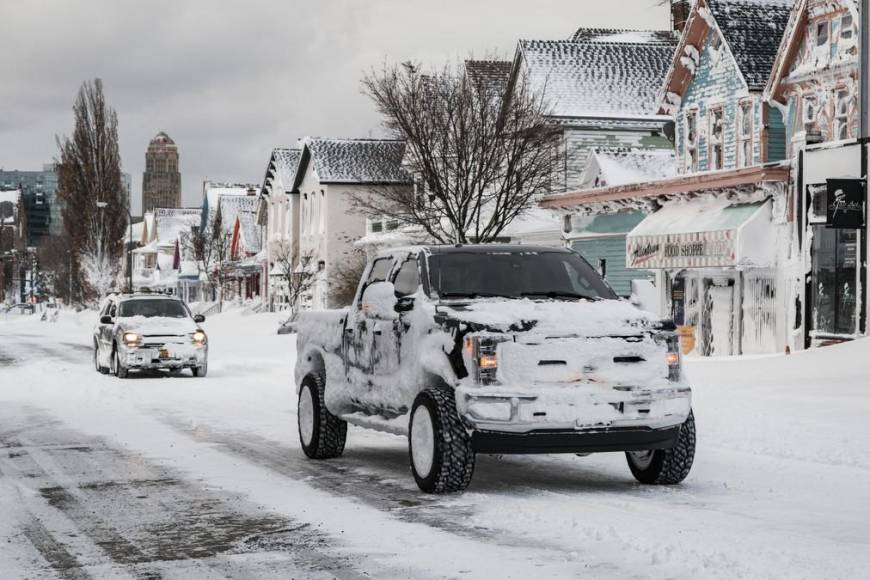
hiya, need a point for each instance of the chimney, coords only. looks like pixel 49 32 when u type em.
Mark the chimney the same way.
pixel 680 13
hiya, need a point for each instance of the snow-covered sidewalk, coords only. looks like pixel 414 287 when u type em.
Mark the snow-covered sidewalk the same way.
pixel 780 487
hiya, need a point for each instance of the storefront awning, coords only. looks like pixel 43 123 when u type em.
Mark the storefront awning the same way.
pixel 702 233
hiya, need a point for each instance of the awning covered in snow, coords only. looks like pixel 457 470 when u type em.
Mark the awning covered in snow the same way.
pixel 702 233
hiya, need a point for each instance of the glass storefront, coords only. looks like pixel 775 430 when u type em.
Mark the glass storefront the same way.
pixel 834 281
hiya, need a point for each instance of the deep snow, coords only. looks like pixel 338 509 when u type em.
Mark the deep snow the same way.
pixel 780 486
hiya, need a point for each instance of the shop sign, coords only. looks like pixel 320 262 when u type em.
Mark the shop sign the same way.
pixel 682 250
pixel 845 203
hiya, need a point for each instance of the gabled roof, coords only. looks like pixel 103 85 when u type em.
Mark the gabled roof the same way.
pixel 611 166
pixel 752 30
pixel 283 164
pixel 790 43
pixel 492 74
pixel 172 222
pixel 615 73
pixel 357 161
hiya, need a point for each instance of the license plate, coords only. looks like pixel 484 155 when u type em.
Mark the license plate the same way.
pixel 163 353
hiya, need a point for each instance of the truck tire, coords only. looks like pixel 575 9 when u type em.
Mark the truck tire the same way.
pixel 321 433
pixel 100 368
pixel 666 466
pixel 442 458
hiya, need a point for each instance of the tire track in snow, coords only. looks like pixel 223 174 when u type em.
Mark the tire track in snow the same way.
pixel 144 520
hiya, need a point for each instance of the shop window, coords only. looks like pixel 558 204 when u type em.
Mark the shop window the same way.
pixel 834 280
pixel 690 141
pixel 841 119
pixel 822 33
pixel 717 133
pixel 744 135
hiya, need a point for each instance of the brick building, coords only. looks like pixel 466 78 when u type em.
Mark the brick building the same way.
pixel 161 182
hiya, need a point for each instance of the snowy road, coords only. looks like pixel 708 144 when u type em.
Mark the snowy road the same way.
pixel 202 478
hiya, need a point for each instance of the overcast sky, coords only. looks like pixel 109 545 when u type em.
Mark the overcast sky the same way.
pixel 230 80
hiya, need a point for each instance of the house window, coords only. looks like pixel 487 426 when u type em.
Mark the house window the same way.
pixel 842 117
pixel 717 134
pixel 809 113
pixel 392 225
pixel 376 227
pixel 744 135
pixel 691 141
pixel 822 33
pixel 847 31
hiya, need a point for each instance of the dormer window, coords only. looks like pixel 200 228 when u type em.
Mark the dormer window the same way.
pixel 822 33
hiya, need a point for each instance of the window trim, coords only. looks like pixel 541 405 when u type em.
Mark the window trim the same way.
pixel 712 112
pixel 841 120
pixel 690 147
pixel 743 106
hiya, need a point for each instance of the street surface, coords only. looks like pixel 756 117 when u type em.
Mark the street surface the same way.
pixel 185 477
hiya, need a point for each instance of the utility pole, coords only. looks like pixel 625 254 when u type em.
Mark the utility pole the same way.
pixel 864 75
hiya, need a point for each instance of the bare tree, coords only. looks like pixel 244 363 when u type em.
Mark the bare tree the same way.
pixel 344 277
pixel 479 157
pixel 92 191
pixel 211 249
pixel 296 273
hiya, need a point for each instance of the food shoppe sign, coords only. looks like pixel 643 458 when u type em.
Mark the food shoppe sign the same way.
pixel 687 250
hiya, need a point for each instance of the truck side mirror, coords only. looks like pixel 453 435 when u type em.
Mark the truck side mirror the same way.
pixel 379 301
pixel 404 303
pixel 105 319
pixel 198 318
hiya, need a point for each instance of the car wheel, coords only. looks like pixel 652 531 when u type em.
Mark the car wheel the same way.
pixel 99 368
pixel 666 466
pixel 442 458
pixel 321 433
pixel 118 369
pixel 200 371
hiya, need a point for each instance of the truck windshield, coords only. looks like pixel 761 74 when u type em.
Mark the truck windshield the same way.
pixel 151 308
pixel 559 275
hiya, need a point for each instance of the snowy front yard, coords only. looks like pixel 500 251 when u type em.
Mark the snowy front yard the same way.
pixel 185 477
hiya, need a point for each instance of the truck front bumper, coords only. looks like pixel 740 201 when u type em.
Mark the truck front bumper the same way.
pixel 579 408
pixel 589 441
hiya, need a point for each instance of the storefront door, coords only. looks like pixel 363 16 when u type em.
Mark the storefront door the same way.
pixel 717 326
pixel 834 282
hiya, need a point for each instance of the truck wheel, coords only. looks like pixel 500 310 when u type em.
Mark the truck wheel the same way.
pixel 442 459
pixel 321 433
pixel 666 466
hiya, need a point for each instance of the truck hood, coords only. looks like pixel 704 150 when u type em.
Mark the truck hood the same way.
pixel 154 326
pixel 553 317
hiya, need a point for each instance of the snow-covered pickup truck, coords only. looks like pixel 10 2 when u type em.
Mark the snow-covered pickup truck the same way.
pixel 494 349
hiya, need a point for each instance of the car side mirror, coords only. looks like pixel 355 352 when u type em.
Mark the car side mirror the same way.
pixel 379 301
pixel 105 319
pixel 198 318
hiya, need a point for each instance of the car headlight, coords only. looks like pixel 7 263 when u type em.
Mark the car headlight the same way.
pixel 199 338
pixel 131 339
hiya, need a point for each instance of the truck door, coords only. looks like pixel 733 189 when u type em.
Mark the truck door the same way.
pixel 359 329
pixel 395 333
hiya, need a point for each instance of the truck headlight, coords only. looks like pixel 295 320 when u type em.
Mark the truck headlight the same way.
pixel 673 358
pixel 481 357
pixel 199 338
pixel 131 339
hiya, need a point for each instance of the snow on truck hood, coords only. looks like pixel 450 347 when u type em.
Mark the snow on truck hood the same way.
pixel 555 318
pixel 158 326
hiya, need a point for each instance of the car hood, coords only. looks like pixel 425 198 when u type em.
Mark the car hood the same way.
pixel 157 326
pixel 553 317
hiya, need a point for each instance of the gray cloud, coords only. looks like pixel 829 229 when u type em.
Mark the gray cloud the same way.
pixel 230 80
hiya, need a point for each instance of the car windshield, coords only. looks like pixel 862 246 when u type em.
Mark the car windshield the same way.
pixel 151 308
pixel 532 274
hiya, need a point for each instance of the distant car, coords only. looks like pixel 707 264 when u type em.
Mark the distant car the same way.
pixel 149 332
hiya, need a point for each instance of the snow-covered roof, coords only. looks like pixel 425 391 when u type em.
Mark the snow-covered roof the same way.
pixel 619 166
pixel 376 161
pixel 212 191
pixel 172 222
pixel 283 164
pixel 493 74
pixel 615 73
pixel 753 30
pixel 533 220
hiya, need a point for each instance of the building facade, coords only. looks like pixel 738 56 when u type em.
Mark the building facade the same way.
pixel 161 181
pixel 39 197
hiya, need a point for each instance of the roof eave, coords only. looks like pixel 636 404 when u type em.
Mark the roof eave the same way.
pixel 785 53
pixel 778 172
